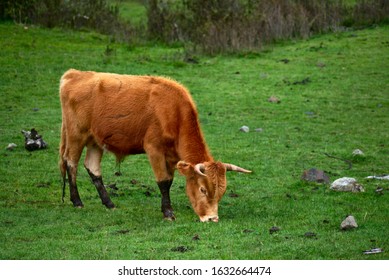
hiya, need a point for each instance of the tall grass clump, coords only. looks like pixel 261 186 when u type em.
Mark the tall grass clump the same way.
pixel 231 25
pixel 368 12
pixel 216 26
pixel 208 26
pixel 98 15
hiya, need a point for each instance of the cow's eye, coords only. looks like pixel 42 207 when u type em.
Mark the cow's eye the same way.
pixel 203 190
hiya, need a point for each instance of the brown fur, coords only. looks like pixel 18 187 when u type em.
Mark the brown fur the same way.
pixel 125 115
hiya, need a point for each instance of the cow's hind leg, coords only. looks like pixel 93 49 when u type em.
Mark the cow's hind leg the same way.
pixel 71 168
pixel 92 165
pixel 70 152
pixel 72 175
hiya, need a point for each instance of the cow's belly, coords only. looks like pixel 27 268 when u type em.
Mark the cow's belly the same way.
pixel 120 143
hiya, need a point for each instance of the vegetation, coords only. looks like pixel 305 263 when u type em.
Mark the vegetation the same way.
pixel 234 25
pixel 333 93
pixel 208 26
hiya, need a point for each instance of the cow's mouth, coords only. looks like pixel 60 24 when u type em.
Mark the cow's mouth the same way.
pixel 213 218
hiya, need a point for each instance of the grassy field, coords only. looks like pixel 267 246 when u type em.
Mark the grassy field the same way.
pixel 334 99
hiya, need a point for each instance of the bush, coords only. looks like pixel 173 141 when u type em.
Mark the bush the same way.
pixel 368 12
pixel 212 26
pixel 234 25
pixel 76 14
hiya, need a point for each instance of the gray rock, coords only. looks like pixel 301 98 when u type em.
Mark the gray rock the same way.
pixel 348 223
pixel 274 229
pixel 244 129
pixel 373 251
pixel 315 175
pixel 382 177
pixel 33 141
pixel 358 152
pixel 11 146
pixel 274 99
pixel 346 184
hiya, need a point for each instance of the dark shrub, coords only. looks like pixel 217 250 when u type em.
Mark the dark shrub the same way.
pixel 234 25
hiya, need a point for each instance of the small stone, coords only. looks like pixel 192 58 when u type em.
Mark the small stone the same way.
pixel 122 231
pixel 11 146
pixel 43 185
pixel 346 184
pixel 315 175
pixel 285 60
pixel 373 251
pixel 310 113
pixel 33 141
pixel 147 193
pixel 196 237
pixel 310 234
pixel 348 223
pixel 274 229
pixel 273 99
pixel 381 177
pixel 245 129
pixel 181 249
pixel 233 194
pixel 358 152
pixel 379 190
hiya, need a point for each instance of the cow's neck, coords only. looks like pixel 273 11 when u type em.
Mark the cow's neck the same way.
pixel 192 147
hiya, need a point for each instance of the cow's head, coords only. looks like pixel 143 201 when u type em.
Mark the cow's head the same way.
pixel 205 185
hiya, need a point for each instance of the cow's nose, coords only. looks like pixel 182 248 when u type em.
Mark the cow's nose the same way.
pixel 209 219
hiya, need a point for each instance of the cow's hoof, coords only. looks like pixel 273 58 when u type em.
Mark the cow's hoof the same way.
pixel 169 215
pixel 109 205
pixel 78 204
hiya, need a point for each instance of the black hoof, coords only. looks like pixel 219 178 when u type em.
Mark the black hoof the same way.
pixel 109 205
pixel 169 215
pixel 78 204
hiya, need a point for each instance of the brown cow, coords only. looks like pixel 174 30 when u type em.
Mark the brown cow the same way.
pixel 127 115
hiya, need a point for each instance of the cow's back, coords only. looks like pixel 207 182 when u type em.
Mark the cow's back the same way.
pixel 121 111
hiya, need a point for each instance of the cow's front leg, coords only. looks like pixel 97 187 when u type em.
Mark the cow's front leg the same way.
pixel 92 165
pixel 163 172
pixel 166 208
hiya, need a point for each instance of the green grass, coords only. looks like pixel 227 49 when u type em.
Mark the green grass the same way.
pixel 133 11
pixel 345 106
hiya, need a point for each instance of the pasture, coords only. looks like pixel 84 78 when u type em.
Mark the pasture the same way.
pixel 334 98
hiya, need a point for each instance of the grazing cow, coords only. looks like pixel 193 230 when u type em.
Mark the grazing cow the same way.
pixel 127 115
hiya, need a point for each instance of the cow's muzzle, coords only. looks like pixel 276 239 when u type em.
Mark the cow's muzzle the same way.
pixel 214 218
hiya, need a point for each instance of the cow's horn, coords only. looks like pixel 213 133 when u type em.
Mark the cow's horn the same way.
pixel 199 168
pixel 231 167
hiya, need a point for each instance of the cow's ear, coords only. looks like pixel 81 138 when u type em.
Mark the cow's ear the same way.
pixel 184 168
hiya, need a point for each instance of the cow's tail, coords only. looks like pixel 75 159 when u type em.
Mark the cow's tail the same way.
pixel 62 161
